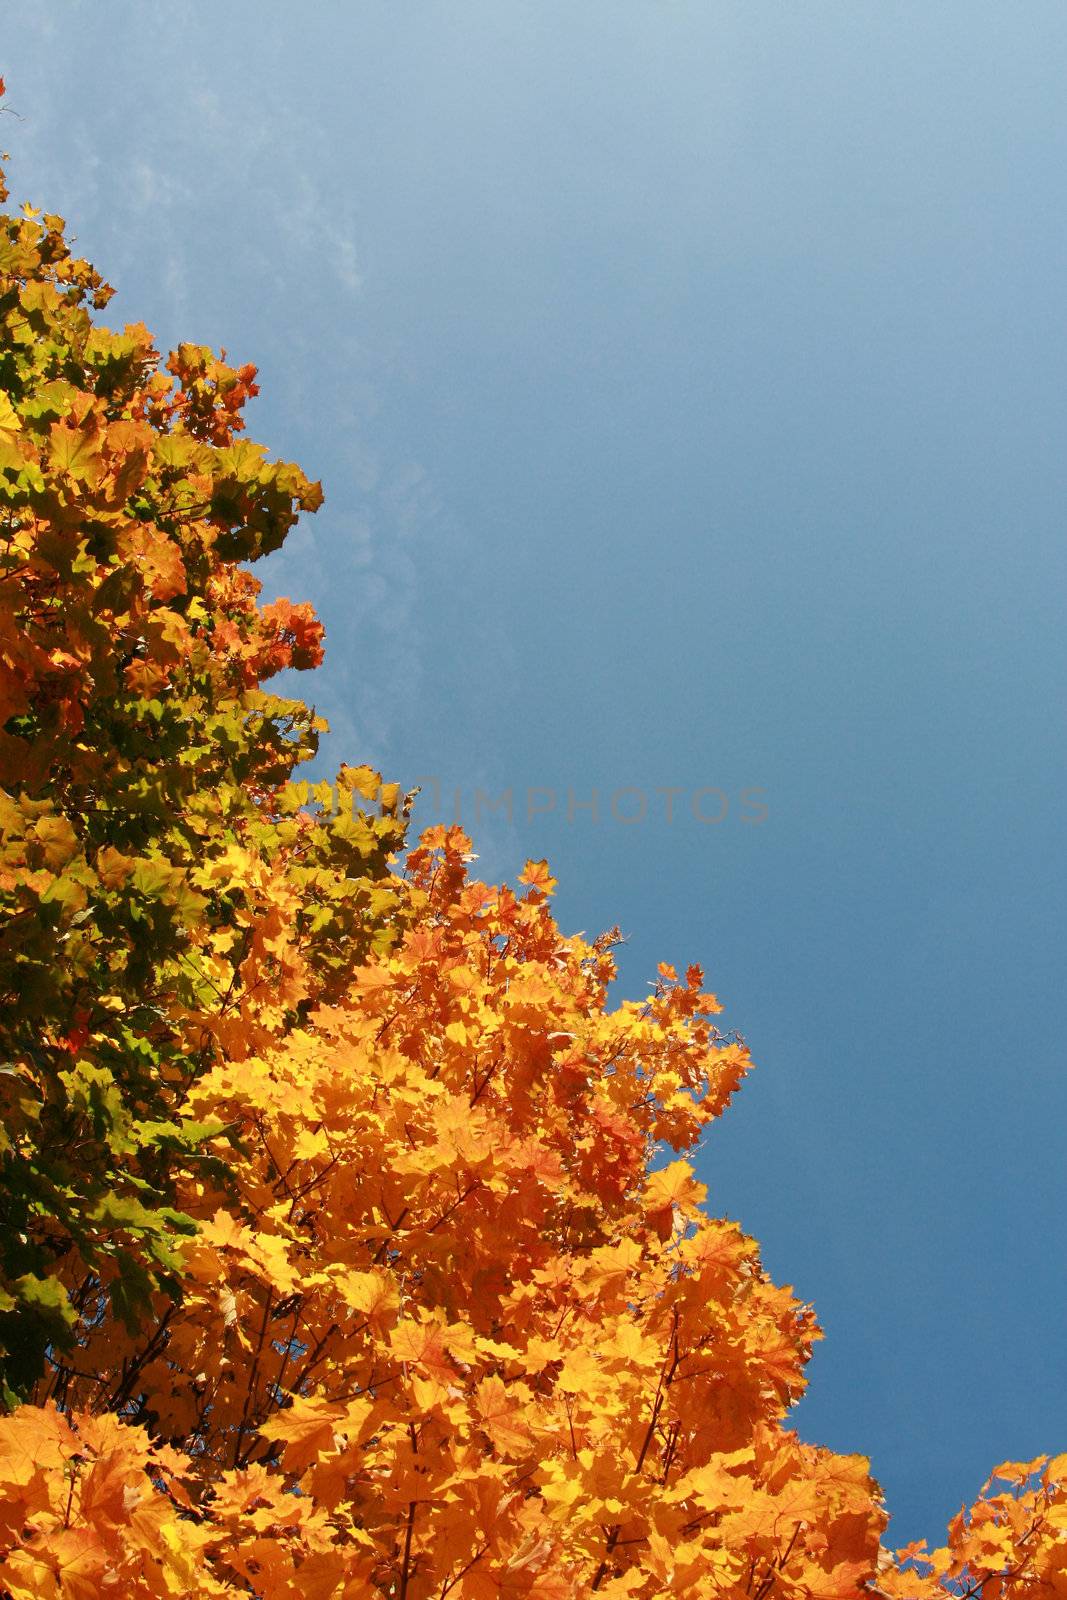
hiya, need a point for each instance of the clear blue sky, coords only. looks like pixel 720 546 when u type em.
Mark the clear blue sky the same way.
pixel 687 383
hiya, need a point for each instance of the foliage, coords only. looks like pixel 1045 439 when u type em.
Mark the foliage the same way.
pixel 167 897
pixel 349 1242
pixel 453 1304
pixel 1011 1542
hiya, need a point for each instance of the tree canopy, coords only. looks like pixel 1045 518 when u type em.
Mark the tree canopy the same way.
pixel 351 1243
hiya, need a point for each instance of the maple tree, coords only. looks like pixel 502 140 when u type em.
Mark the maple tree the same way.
pixel 167 893
pixel 350 1245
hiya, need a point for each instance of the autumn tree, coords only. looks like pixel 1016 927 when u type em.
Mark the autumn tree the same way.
pixel 351 1242
pixel 168 898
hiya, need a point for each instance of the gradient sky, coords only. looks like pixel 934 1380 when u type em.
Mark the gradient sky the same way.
pixel 687 383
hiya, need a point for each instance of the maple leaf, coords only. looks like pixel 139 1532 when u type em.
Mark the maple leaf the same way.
pixel 76 452
pixel 306 1428
pixel 374 1294
pixel 500 1411
pixel 673 1185
pixel 537 875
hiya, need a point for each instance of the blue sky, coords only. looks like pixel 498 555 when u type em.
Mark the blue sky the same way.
pixel 687 383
